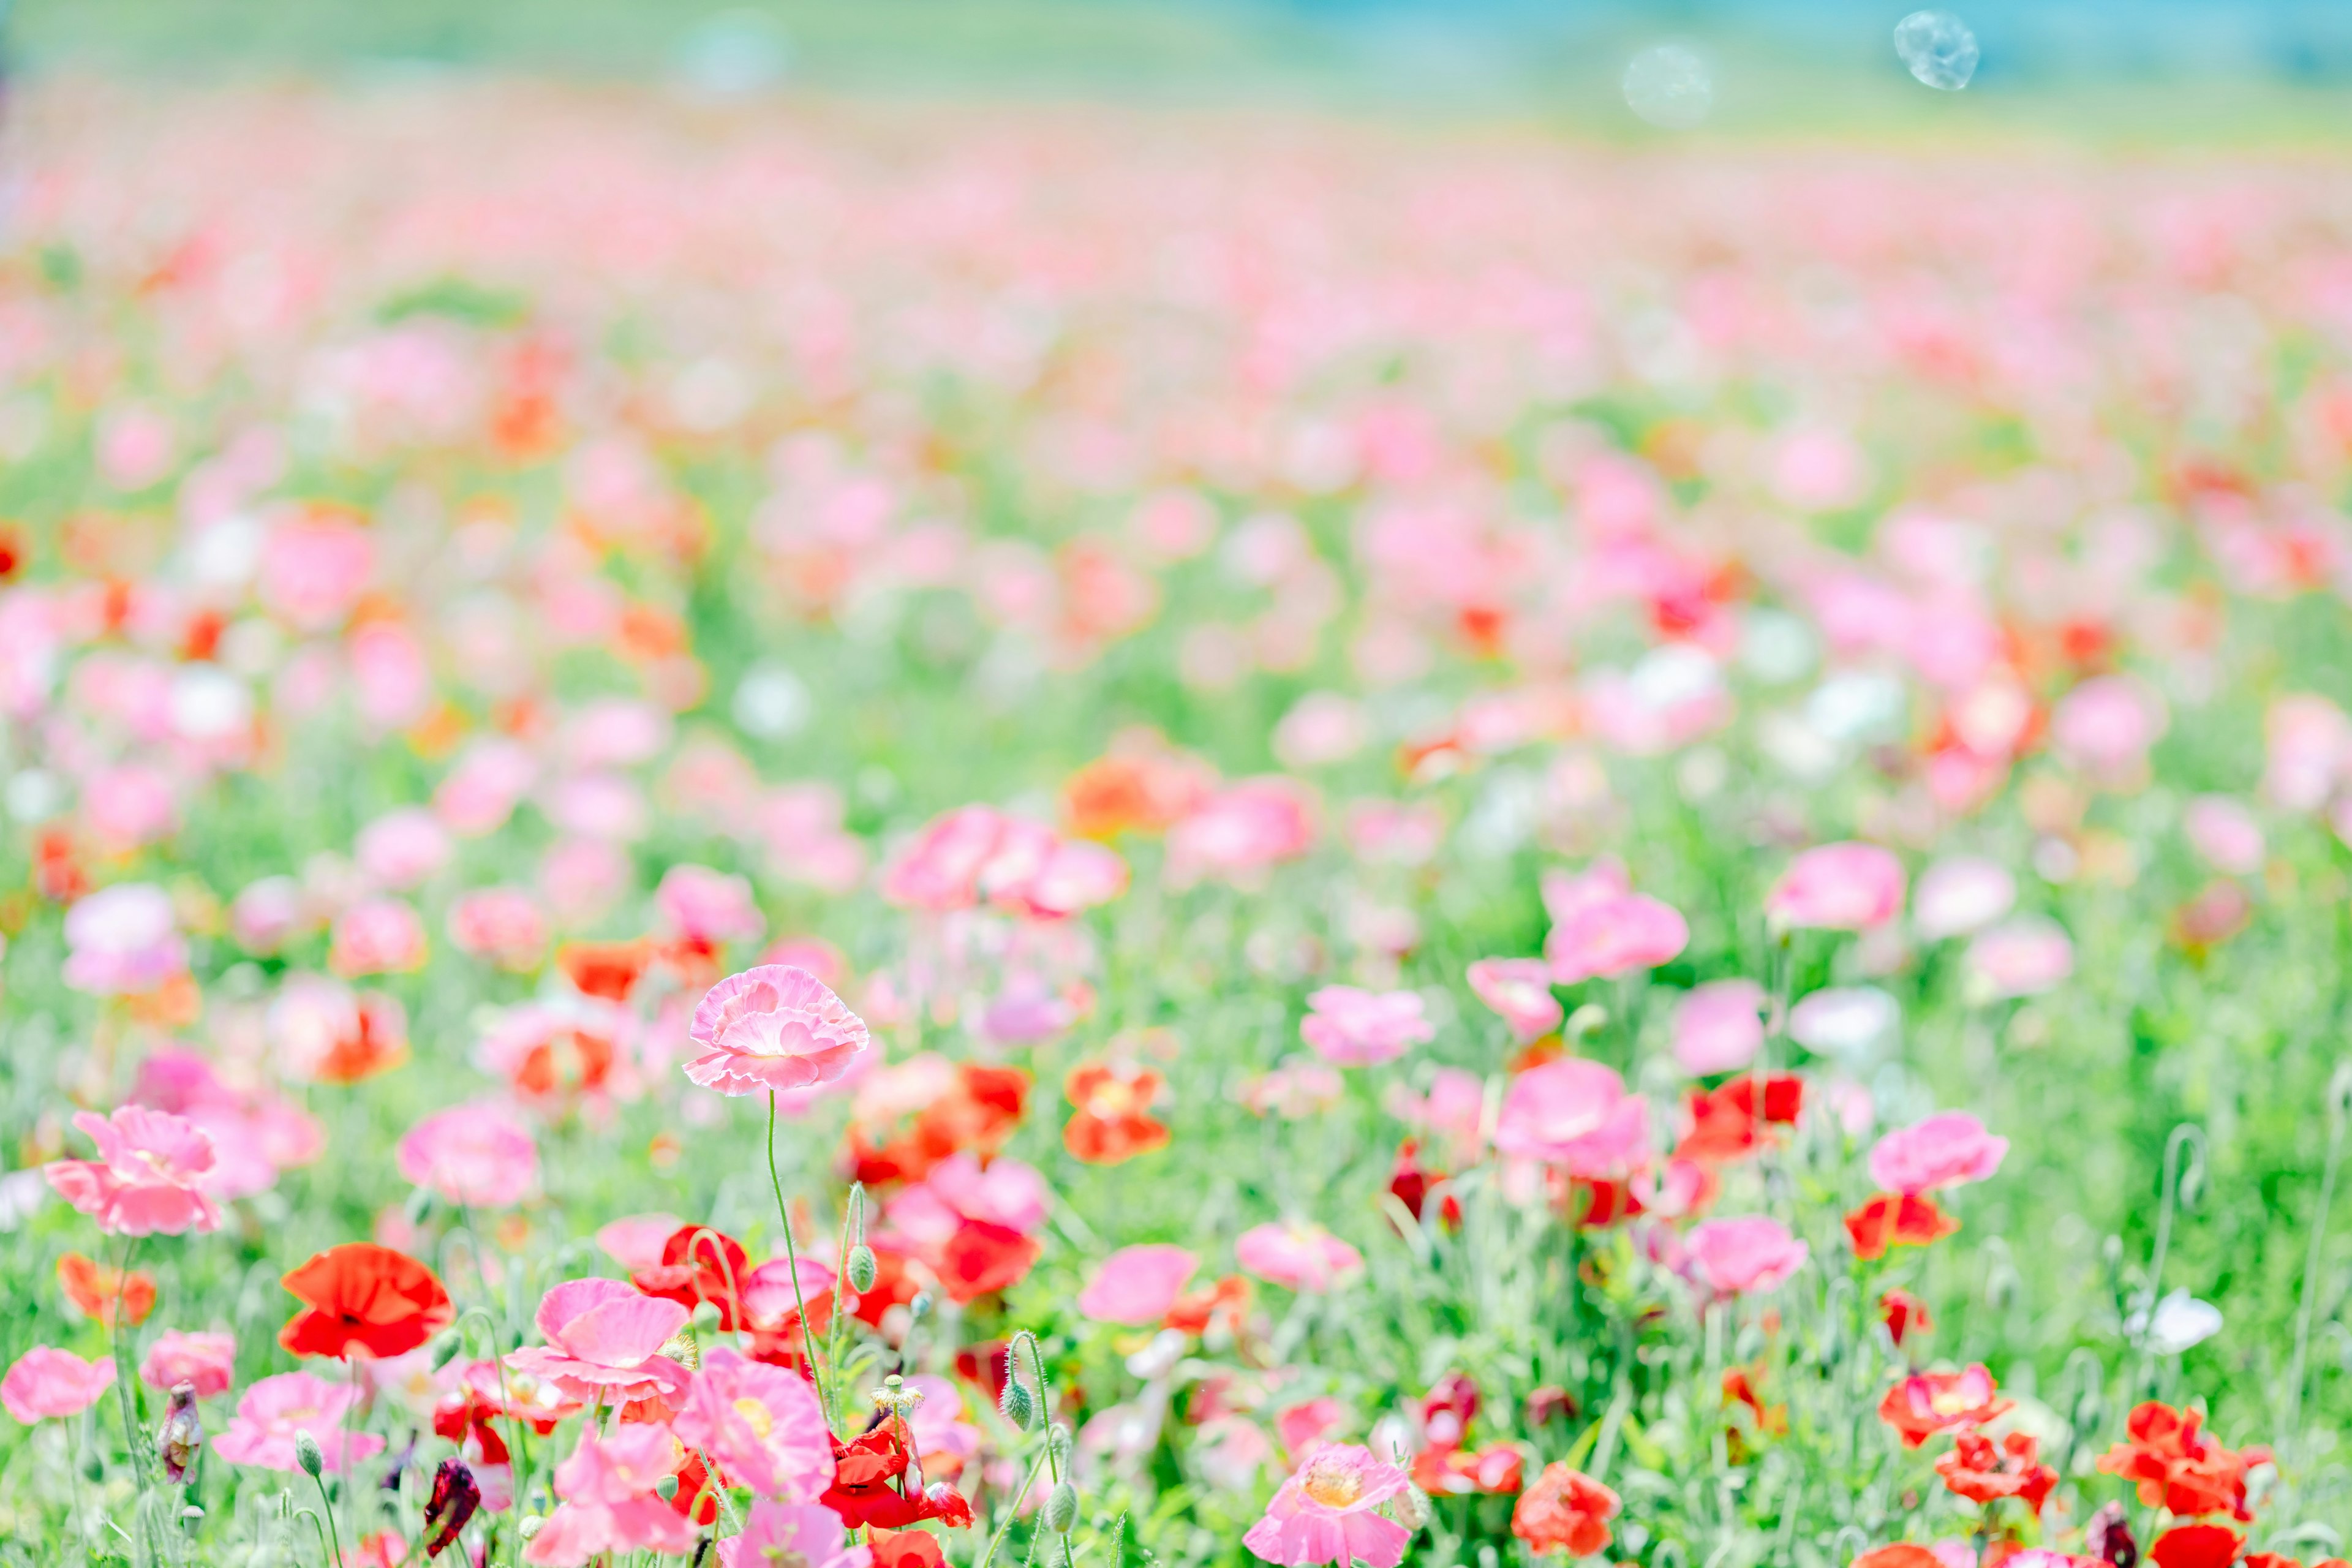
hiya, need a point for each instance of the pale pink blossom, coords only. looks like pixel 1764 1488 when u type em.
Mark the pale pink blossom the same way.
pixel 313 570
pixel 1353 1028
pixel 44 1384
pixel 130 806
pixel 1838 887
pixel 2310 752
pixel 773 1028
pixel 490 779
pixel 267 914
pixel 610 1504
pixel 1308 1425
pixel 1741 1256
pixel 1575 1114
pixel 2105 726
pixel 401 848
pixel 504 926
pixel 376 936
pixel 1961 895
pixel 1136 1284
pixel 760 1424
pixel 802 1534
pixel 206 1362
pixel 1453 1110
pixel 480 1155
pixel 2023 956
pixel 2224 833
pixel 1615 935
pixel 1718 1026
pixel 582 879
pixel 1946 1150
pixel 122 938
pixel 709 906
pixel 268 1414
pixel 1326 1513
pixel 636 1241
pixel 151 1176
pixel 1296 1255
pixel 604 1341
pixel 940 869
pixel 1519 991
pixel 1241 832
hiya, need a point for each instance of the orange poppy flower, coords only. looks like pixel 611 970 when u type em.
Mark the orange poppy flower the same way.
pixel 1926 1403
pixel 974 1114
pixel 375 1040
pixel 608 970
pixel 1896 1219
pixel 1113 1124
pixel 359 1298
pixel 94 1288
pixel 1902 1555
pixel 1981 1471
pixel 1565 1511
pixel 2178 1468
pixel 1229 1298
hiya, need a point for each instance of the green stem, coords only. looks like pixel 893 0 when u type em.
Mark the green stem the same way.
pixel 327 1507
pixel 792 1261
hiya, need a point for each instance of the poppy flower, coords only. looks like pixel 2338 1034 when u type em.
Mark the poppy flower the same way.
pixel 1728 1123
pixel 904 1549
pixel 698 1265
pixel 773 1028
pixel 151 1176
pixel 363 1300
pixel 1891 1219
pixel 1411 1180
pixel 1981 1471
pixel 910 1117
pixel 1113 1121
pixel 1136 1284
pixel 604 1342
pixel 1926 1403
pixel 46 1382
pixel 96 1290
pixel 862 1493
pixel 1325 1512
pixel 1903 1315
pixel 981 1257
pixel 455 1496
pixel 1902 1555
pixel 608 971
pixel 1495 1470
pixel 2197 1546
pixel 2178 1468
pixel 1565 1511
pixel 1194 1311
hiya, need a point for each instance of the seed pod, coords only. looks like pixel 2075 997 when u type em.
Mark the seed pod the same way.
pixel 1411 1506
pixel 307 1454
pixel 665 1488
pixel 1019 1409
pixel 863 1269
pixel 1061 1510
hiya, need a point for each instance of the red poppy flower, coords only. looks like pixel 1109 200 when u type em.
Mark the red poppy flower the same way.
pixel 904 1549
pixel 1565 1511
pixel 1896 1219
pixel 1410 1181
pixel 1492 1471
pixel 981 1257
pixel 1113 1121
pixel 1598 1203
pixel 1739 1388
pixel 1448 1408
pixel 862 1490
pixel 697 1265
pixel 1902 1555
pixel 1981 1472
pixel 2177 1467
pixel 2197 1546
pixel 974 1114
pixel 1905 1314
pixel 1728 1124
pixel 363 1300
pixel 1926 1403
pixel 1229 1298
pixel 94 1288
pixel 377 1041
pixel 609 970
pixel 696 1498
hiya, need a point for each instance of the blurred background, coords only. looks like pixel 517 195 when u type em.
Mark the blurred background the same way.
pixel 2171 71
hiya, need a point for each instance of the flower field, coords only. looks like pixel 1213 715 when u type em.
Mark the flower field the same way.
pixel 812 837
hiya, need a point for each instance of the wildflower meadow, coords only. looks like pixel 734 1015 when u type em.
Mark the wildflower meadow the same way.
pixel 826 834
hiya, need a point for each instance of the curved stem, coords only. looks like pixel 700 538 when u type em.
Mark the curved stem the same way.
pixel 792 1262
pixel 2338 1092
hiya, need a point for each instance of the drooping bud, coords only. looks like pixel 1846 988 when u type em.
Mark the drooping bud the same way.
pixel 863 1269
pixel 455 1496
pixel 445 1349
pixel 1018 1407
pixel 1057 1443
pixel 1061 1510
pixel 307 1454
pixel 182 1436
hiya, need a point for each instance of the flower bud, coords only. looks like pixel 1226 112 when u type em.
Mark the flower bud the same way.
pixel 1412 1507
pixel 921 1307
pixel 1015 1403
pixel 445 1349
pixel 863 1269
pixel 307 1454
pixel 532 1524
pixel 1061 1510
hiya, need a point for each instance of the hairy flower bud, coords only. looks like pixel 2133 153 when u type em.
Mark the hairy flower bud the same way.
pixel 307 1454
pixel 1016 1404
pixel 863 1269
pixel 1061 1510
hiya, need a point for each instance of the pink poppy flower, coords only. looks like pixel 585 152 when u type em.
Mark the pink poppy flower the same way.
pixel 940 869
pixel 582 879
pixel 773 1028
pixel 2020 957
pixel 1615 935
pixel 122 938
pixel 709 906
pixel 480 793
pixel 205 1361
pixel 761 1424
pixel 401 848
pixel 1946 1150
pixel 604 1341
pixel 1566 894
pixel 1324 1513
pixel 313 570
pixel 1353 1028
pixel 268 1414
pixel 2224 833
pixel 1718 1026
pixel 2309 751
pixel 129 807
pixel 1741 1256
pixel 609 1502
pixel 1575 1114
pixel 47 1383
pixel 1241 832
pixel 1045 877
pixel 479 1155
pixel 376 936
pixel 267 914
pixel 1453 1110
pixel 1007 1192
pixel 636 1241
pixel 1519 991
pixel 150 1176
pixel 1321 727
pixel 1296 1257
pixel 1136 1284
pixel 804 1534
pixel 1308 1426
pixel 1961 895
pixel 504 926
pixel 1838 887
pixel 2105 726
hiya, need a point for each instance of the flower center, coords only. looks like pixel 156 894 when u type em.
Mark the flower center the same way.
pixel 752 1411
pixel 785 1557
pixel 1332 1482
